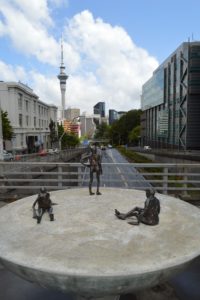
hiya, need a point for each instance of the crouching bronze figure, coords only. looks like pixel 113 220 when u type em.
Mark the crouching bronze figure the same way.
pixel 148 215
pixel 44 204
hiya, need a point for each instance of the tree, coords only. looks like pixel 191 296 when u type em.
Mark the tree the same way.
pixel 121 128
pixel 102 131
pixel 53 133
pixel 134 135
pixel 67 139
pixel 7 129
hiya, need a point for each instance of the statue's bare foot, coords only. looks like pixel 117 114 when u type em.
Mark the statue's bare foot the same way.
pixel 51 217
pixel 135 222
pixel 117 212
pixel 119 215
pixel 38 220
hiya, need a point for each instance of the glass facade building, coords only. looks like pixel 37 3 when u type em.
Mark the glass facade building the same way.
pixel 99 109
pixel 113 116
pixel 170 101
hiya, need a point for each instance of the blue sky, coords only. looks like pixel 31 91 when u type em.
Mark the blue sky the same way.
pixel 111 47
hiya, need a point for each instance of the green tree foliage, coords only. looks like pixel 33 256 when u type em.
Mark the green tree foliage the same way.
pixel 120 129
pixel 68 139
pixel 134 135
pixel 7 129
pixel 102 131
pixel 53 133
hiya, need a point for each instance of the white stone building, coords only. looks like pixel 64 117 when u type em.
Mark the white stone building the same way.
pixel 29 117
pixel 71 113
pixel 87 125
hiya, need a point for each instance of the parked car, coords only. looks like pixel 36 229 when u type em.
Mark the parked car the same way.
pixel 103 147
pixel 53 151
pixel 42 152
pixel 147 148
pixel 56 150
pixel 7 156
pixel 109 146
pixel 50 151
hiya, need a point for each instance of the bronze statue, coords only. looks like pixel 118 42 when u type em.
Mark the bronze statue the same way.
pixel 95 166
pixel 44 204
pixel 148 215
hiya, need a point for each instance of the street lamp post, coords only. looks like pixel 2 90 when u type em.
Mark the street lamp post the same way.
pixel 60 139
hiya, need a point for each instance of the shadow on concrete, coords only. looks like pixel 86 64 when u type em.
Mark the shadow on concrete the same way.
pixel 186 283
pixel 13 287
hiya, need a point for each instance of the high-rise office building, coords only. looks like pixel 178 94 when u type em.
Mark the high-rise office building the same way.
pixel 99 109
pixel 170 101
pixel 113 116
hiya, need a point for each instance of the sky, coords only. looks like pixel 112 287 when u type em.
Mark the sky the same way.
pixel 111 47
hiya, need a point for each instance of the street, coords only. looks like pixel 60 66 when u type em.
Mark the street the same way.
pixel 118 176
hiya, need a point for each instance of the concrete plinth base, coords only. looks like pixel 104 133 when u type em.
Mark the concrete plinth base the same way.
pixel 87 251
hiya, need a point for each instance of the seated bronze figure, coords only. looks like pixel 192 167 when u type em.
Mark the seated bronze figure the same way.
pixel 148 215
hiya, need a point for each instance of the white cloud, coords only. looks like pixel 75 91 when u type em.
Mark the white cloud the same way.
pixel 12 73
pixel 118 65
pixel 102 61
pixel 27 24
pixel 47 88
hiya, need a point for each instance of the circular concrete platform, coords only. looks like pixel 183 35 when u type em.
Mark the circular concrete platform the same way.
pixel 88 251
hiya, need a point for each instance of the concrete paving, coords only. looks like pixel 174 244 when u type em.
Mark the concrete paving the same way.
pixel 88 251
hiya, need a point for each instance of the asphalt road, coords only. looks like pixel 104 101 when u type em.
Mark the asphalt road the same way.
pixel 117 175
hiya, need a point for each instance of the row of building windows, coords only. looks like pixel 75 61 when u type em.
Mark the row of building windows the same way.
pixel 41 109
pixel 27 119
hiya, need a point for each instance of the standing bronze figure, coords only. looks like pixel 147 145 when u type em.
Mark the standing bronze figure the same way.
pixel 148 215
pixel 94 158
pixel 44 204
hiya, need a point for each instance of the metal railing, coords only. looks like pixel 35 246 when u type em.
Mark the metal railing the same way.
pixel 28 177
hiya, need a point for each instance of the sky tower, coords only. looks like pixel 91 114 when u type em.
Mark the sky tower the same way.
pixel 63 78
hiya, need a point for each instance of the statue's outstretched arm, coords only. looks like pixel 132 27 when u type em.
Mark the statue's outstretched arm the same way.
pixel 33 206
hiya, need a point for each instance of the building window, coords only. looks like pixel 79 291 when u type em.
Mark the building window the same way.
pixel 20 120
pixel 20 98
pixel 26 120
pixel 34 106
pixel 27 105
pixel 34 121
pixel 22 139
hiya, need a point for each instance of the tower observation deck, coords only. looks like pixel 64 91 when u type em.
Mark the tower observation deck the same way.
pixel 62 76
